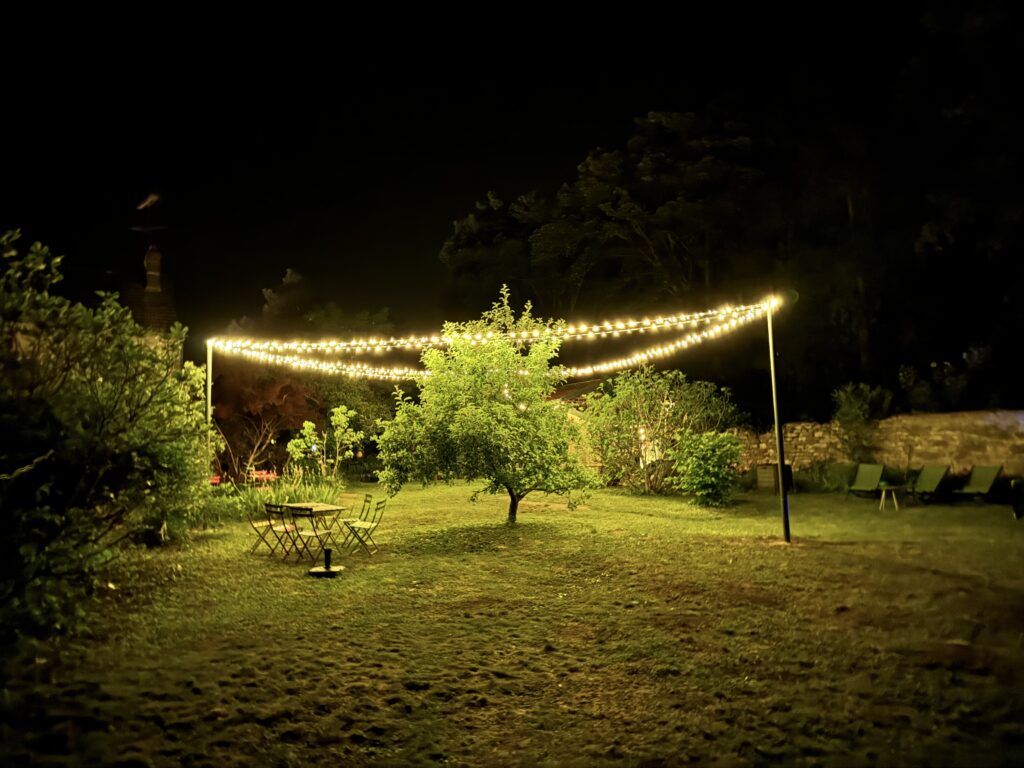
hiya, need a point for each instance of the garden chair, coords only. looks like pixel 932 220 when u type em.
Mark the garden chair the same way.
pixel 868 479
pixel 341 523
pixel 926 484
pixel 264 534
pixel 980 482
pixel 367 502
pixel 309 540
pixel 317 530
pixel 279 531
pixel 362 530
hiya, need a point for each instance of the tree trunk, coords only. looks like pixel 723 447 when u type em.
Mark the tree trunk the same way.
pixel 513 505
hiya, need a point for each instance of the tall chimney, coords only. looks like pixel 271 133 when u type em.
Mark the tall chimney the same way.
pixel 153 269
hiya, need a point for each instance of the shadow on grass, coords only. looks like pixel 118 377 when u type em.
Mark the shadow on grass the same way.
pixel 473 538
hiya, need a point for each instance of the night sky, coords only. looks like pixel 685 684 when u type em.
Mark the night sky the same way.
pixel 351 169
pixel 357 192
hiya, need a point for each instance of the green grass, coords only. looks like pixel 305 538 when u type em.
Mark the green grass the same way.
pixel 631 630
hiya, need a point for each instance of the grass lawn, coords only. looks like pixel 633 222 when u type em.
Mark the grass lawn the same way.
pixel 631 630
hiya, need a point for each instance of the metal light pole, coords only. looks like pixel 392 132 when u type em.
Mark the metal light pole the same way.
pixel 783 495
pixel 209 381
pixel 209 400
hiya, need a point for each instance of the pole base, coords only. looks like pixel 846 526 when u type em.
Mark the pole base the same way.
pixel 321 572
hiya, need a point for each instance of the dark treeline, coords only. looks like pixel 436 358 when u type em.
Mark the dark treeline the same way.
pixel 885 196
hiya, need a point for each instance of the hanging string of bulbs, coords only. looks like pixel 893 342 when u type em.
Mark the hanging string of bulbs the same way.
pixel 323 356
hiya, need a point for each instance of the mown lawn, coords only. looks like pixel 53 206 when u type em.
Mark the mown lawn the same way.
pixel 631 630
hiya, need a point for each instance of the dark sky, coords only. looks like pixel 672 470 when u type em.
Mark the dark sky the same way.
pixel 350 169
pixel 357 192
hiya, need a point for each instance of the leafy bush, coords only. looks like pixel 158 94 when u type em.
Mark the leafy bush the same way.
pixel 289 488
pixel 102 437
pixel 704 465
pixel 220 505
pixel 634 418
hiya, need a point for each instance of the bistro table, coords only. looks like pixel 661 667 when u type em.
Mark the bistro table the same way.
pixel 322 518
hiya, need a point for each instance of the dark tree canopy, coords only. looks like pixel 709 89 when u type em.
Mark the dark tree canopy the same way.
pixel 258 409
pixel 887 198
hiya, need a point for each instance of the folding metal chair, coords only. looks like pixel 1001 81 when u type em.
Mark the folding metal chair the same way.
pixel 341 523
pixel 279 532
pixel 362 530
pixel 263 531
pixel 323 524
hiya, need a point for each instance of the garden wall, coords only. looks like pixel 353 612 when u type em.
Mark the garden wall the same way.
pixel 901 442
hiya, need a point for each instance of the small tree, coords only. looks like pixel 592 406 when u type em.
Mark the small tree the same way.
pixel 323 452
pixel 485 412
pixel 634 419
pixel 856 405
pixel 704 465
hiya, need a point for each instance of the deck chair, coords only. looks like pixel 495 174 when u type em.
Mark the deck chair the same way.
pixel 279 532
pixel 980 482
pixel 868 478
pixel 928 480
pixel 362 530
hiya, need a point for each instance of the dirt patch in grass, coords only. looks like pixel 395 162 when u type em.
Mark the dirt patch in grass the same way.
pixel 640 631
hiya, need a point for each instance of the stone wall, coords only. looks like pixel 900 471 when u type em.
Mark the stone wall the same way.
pixel 906 442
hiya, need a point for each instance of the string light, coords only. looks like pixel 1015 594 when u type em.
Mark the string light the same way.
pixel 648 355
pixel 355 370
pixel 300 355
pixel 570 332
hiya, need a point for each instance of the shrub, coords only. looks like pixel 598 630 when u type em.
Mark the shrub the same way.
pixel 289 488
pixel 704 465
pixel 855 406
pixel 634 418
pixel 219 505
pixel 102 437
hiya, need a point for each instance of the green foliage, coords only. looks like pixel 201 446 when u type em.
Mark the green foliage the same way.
pixel 856 405
pixel 484 413
pixel 371 401
pixel 219 505
pixel 704 465
pixel 257 407
pixel 236 500
pixel 102 436
pixel 321 453
pixel 633 421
